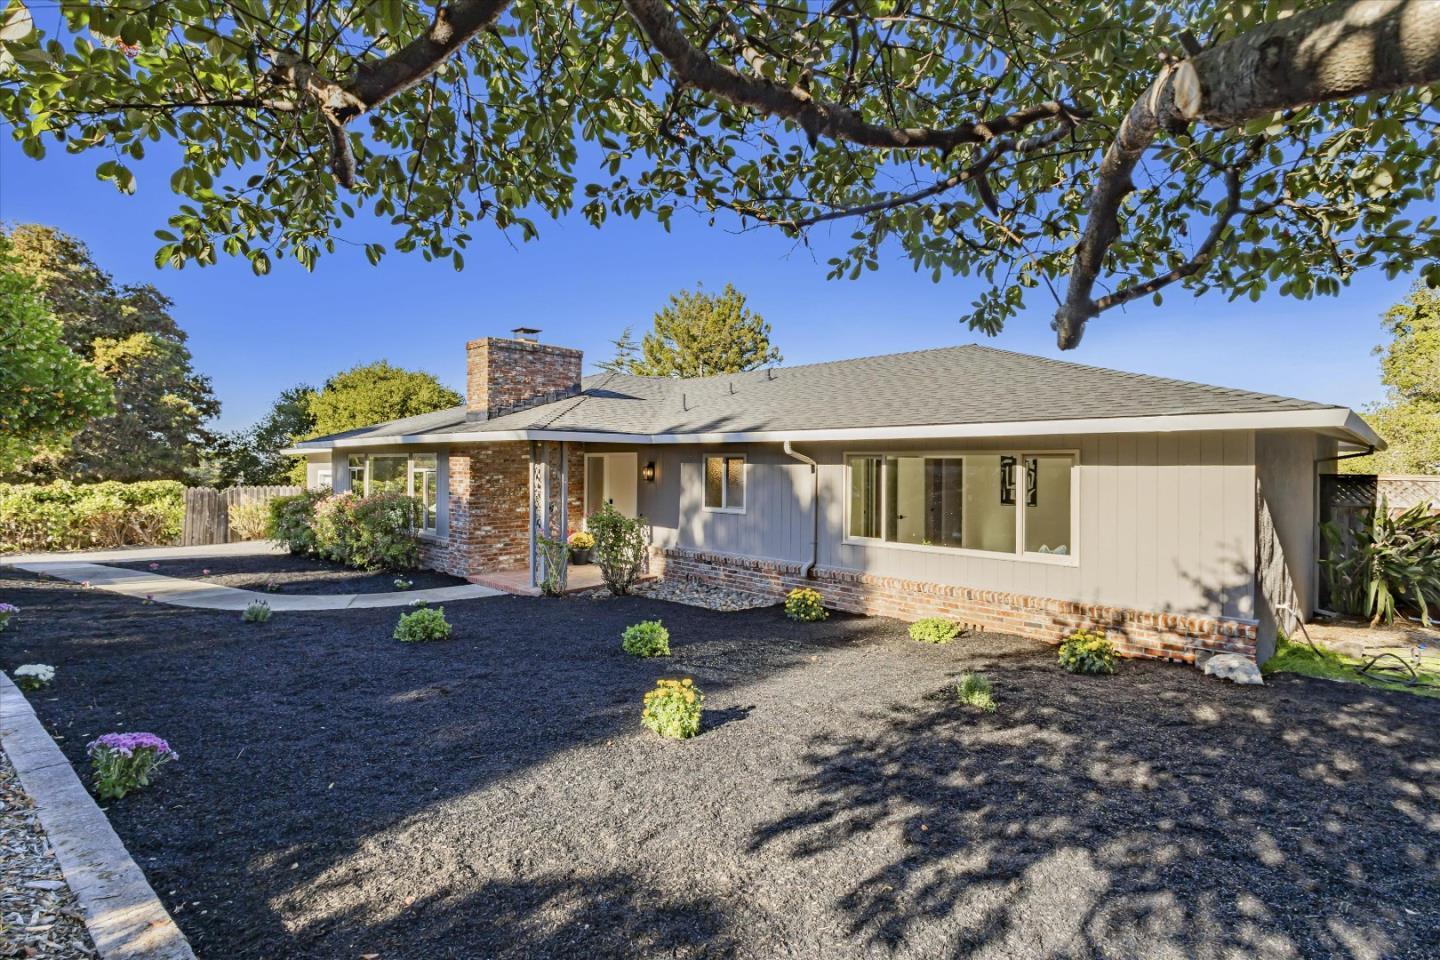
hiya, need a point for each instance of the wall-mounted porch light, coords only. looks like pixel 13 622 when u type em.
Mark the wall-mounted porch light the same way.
pixel 647 472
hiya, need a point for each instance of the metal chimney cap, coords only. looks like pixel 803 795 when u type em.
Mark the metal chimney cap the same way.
pixel 525 333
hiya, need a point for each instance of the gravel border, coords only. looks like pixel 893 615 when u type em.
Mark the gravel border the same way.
pixel 125 919
pixel 38 913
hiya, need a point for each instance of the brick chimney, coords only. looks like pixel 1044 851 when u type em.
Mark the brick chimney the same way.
pixel 508 374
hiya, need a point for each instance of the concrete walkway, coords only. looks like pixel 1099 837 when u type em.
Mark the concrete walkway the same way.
pixel 90 568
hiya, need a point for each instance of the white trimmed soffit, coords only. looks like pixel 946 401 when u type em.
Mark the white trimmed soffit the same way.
pixel 1339 422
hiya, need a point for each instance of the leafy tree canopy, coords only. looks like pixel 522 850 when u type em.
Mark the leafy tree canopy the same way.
pixel 1409 418
pixel 156 429
pixel 375 392
pixel 699 335
pixel 1095 153
pixel 47 392
pixel 252 456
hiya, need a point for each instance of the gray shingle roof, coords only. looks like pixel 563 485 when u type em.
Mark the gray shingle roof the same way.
pixel 951 385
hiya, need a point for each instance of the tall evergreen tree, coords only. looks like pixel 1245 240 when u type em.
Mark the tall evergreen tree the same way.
pixel 1409 418
pixel 700 335
pixel 156 429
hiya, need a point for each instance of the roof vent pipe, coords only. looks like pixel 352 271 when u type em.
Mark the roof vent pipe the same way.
pixel 809 571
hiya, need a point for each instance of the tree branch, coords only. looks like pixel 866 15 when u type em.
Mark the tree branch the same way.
pixel 1335 52
pixel 816 117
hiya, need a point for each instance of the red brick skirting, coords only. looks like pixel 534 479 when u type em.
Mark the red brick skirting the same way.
pixel 1136 633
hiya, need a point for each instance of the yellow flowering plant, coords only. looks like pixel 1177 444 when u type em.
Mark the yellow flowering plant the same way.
pixel 1087 651
pixel 582 540
pixel 805 604
pixel 672 709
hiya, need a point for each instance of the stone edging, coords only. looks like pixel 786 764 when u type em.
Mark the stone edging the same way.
pixel 126 919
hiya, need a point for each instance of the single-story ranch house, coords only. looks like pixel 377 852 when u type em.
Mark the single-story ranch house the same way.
pixel 1005 491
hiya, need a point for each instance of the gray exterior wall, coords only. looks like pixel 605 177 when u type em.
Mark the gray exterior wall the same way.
pixel 1286 519
pixel 1167 521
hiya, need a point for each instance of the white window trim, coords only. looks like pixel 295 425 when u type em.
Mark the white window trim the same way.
pixel 409 458
pixel 724 486
pixel 1020 554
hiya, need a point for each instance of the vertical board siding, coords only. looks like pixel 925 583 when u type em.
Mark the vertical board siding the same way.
pixel 1167 521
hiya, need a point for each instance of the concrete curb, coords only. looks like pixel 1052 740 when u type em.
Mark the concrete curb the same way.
pixel 126 919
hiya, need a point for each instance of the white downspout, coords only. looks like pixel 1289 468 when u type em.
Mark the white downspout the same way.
pixel 809 571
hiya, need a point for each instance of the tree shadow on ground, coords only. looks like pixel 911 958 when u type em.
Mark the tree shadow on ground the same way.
pixel 1110 817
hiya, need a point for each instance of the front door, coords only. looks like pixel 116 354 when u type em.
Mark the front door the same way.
pixel 611 478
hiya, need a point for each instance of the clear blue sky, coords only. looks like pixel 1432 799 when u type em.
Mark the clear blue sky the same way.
pixel 255 336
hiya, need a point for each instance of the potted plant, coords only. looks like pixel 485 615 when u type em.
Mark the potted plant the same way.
pixel 581 542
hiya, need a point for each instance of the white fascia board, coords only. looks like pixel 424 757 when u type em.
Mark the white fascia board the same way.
pixel 1337 421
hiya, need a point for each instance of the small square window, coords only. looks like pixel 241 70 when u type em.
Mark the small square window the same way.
pixel 725 483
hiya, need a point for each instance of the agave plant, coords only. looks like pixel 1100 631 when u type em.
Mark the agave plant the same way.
pixel 1393 560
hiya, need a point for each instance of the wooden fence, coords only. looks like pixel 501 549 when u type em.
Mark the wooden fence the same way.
pixel 207 510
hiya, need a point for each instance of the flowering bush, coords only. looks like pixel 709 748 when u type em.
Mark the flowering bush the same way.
pixel 257 612
pixel 7 610
pixel 648 638
pixel 1087 651
pixel 582 540
pixel 125 761
pixel 423 624
pixel 805 604
pixel 934 630
pixel 672 709
pixel 33 676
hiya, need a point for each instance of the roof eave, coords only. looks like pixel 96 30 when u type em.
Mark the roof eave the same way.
pixel 1338 422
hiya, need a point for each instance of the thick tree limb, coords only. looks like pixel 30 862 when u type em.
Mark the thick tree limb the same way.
pixel 816 117
pixel 1335 52
pixel 453 27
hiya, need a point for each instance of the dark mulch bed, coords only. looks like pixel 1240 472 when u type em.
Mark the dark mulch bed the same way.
pixel 282 573
pixel 340 794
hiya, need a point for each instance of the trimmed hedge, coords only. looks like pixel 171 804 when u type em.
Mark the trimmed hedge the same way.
pixel 75 516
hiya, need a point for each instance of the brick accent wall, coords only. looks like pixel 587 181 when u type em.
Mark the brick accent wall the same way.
pixel 489 515
pixel 1136 633
pixel 502 375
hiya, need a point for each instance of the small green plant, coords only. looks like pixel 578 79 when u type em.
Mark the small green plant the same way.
pixel 257 612
pixel 1392 562
pixel 672 709
pixel 974 690
pixel 1087 651
pixel 7 610
pixel 622 547
pixel 805 604
pixel 125 761
pixel 403 583
pixel 423 625
pixel 649 638
pixel 934 630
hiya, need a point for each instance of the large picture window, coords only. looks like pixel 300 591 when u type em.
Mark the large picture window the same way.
pixel 414 474
pixel 998 503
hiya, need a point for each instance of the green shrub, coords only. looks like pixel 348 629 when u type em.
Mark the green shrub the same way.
pixel 1087 651
pixel 249 521
pixel 257 612
pixel 423 625
pixel 673 708
pixel 383 527
pixel 292 521
pixel 123 762
pixel 71 516
pixel 934 630
pixel 622 545
pixel 805 604
pixel 974 690
pixel 648 638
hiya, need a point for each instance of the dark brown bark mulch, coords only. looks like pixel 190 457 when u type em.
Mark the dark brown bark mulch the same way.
pixel 282 573
pixel 341 794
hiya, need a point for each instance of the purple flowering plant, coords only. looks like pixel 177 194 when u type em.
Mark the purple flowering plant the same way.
pixel 7 610
pixel 125 761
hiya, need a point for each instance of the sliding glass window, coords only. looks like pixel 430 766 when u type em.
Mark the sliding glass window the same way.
pixel 987 502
